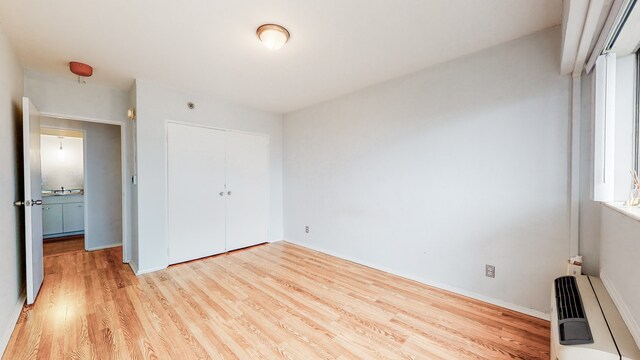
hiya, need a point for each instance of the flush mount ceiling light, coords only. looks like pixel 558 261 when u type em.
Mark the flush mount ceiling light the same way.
pixel 82 70
pixel 273 36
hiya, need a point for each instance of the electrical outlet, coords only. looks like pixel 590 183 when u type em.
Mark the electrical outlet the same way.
pixel 490 271
pixel 306 229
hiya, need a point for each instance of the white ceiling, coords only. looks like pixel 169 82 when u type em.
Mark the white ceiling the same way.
pixel 210 46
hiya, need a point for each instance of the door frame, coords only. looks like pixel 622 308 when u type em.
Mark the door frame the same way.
pixel 126 236
pixel 166 173
pixel 84 173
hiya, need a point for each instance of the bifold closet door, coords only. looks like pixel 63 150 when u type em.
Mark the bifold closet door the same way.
pixel 196 176
pixel 247 189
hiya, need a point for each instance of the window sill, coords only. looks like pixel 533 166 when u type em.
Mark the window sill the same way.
pixel 632 212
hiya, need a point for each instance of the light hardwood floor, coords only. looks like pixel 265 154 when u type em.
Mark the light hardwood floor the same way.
pixel 275 301
pixel 63 245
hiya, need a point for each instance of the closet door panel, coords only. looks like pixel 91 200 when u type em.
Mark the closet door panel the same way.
pixel 196 176
pixel 248 184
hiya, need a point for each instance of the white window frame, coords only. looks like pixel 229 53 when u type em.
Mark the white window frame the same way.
pixel 636 123
pixel 604 128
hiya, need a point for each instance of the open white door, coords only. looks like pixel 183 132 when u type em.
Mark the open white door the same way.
pixel 32 199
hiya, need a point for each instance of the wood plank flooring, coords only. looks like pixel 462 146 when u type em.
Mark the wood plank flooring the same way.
pixel 275 301
pixel 63 245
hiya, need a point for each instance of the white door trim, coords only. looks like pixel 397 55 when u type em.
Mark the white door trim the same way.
pixel 84 174
pixel 126 239
pixel 215 128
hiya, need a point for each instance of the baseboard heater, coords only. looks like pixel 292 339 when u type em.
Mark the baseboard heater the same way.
pixel 585 323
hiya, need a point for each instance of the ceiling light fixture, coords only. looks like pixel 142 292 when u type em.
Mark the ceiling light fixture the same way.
pixel 82 70
pixel 273 36
pixel 61 149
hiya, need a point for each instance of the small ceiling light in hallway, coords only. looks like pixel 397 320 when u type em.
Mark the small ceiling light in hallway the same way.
pixel 82 70
pixel 273 36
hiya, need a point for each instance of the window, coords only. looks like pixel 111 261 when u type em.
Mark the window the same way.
pixel 636 128
pixel 616 126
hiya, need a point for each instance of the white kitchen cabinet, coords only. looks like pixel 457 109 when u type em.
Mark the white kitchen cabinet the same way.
pixel 52 219
pixel 62 215
pixel 73 217
pixel 218 191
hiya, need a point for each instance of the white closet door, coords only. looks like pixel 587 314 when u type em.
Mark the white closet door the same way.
pixel 247 190
pixel 196 177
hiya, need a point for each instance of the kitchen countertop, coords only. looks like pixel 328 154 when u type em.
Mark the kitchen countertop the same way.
pixel 65 193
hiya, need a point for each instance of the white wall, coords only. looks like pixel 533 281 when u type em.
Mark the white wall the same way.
pixel 103 181
pixel 436 174
pixel 65 96
pixel 62 168
pixel 619 265
pixel 11 221
pixel 156 105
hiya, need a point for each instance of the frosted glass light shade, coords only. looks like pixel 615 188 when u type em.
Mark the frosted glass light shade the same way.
pixel 60 150
pixel 273 36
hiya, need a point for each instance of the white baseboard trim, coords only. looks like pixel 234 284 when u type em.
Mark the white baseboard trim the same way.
pixel 133 267
pixel 103 247
pixel 137 271
pixel 11 322
pixel 632 324
pixel 501 303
